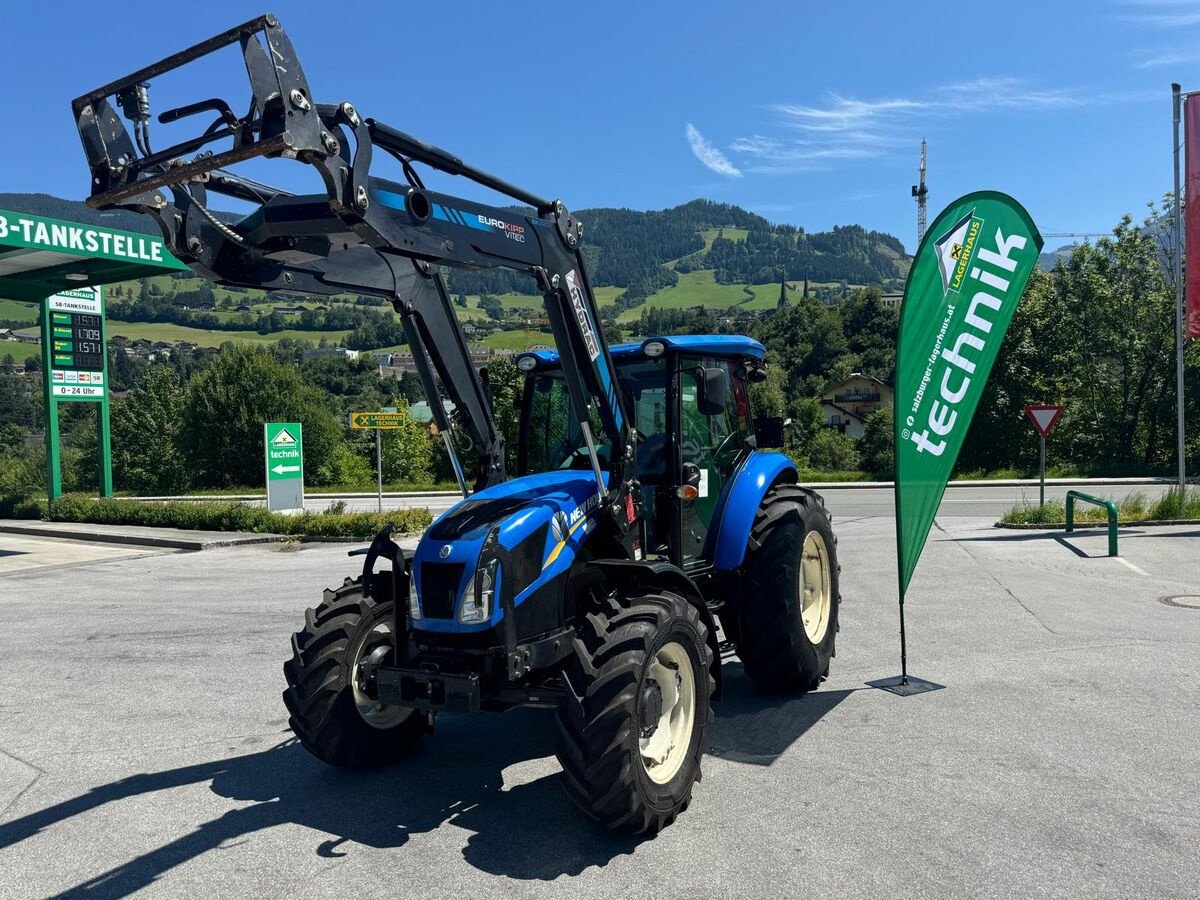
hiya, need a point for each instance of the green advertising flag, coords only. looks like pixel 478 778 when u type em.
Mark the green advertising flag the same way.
pixel 962 291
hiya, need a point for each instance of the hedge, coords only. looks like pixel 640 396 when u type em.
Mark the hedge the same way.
pixel 216 516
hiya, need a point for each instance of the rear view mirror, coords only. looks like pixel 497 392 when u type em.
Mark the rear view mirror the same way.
pixel 714 391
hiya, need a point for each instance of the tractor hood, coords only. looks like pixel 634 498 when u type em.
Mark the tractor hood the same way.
pixel 526 523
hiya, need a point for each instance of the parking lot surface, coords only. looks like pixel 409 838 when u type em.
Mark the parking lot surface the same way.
pixel 144 746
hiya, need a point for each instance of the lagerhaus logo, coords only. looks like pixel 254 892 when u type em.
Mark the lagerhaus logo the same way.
pixel 955 249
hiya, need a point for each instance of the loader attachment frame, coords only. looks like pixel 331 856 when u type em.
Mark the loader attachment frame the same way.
pixel 364 234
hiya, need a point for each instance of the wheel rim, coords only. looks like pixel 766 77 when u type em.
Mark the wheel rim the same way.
pixel 371 652
pixel 816 591
pixel 664 743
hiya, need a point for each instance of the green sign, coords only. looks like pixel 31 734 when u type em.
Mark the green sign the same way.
pixel 75 368
pixel 285 452
pixel 387 420
pixel 962 291
pixel 75 239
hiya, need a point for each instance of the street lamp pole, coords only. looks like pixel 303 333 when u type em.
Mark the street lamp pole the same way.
pixel 1178 100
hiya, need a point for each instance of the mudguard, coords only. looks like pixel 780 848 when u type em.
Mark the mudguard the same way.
pixel 735 512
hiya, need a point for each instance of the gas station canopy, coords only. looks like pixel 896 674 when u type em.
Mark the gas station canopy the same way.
pixel 40 256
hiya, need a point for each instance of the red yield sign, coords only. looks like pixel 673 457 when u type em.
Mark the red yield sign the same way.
pixel 1044 418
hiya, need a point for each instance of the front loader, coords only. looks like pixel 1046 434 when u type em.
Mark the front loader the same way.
pixel 643 522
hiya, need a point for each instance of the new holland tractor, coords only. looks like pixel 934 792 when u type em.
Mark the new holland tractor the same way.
pixel 642 525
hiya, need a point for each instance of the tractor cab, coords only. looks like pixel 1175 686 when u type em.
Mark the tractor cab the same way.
pixel 689 402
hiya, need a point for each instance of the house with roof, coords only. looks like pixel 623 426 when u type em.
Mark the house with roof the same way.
pixel 846 405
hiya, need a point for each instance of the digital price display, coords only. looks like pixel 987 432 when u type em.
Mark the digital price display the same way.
pixel 76 342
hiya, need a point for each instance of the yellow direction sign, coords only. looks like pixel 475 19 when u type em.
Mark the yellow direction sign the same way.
pixel 376 420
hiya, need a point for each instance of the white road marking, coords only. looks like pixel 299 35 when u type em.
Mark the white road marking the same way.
pixel 1130 565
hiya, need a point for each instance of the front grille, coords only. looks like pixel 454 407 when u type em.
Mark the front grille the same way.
pixel 439 589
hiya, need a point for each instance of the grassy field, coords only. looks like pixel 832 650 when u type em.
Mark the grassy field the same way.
pixel 518 340
pixel 734 234
pixel 21 312
pixel 165 331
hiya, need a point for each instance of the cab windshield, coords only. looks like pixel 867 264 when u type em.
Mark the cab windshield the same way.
pixel 552 439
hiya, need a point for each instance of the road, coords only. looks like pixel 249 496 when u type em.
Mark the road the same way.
pixel 844 502
pixel 144 746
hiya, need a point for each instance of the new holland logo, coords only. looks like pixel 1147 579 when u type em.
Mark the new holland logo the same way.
pixel 955 249
pixel 284 439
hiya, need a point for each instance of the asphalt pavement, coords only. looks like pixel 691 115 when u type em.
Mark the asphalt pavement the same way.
pixel 144 746
pixel 844 501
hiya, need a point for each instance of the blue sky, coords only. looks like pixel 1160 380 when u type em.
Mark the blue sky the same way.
pixel 809 114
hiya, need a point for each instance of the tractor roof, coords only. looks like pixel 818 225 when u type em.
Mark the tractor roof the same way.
pixel 721 345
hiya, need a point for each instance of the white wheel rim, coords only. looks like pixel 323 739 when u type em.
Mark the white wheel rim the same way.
pixel 816 590
pixel 376 714
pixel 666 748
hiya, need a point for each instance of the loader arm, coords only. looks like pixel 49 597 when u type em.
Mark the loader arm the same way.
pixel 363 234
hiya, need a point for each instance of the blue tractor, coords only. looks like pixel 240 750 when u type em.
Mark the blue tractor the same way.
pixel 643 539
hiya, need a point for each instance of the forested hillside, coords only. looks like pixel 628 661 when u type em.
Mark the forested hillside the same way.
pixel 638 252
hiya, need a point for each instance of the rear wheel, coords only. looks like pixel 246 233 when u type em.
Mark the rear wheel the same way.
pixel 788 609
pixel 634 723
pixel 330 694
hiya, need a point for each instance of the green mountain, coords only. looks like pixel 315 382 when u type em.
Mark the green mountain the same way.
pixel 701 253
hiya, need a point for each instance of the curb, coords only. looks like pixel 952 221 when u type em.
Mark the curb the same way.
pixel 243 498
pixel 998 482
pixel 1061 526
pixel 219 539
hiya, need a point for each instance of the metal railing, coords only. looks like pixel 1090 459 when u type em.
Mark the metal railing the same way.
pixel 1072 496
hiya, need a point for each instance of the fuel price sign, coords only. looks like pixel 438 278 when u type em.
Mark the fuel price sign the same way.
pixel 76 349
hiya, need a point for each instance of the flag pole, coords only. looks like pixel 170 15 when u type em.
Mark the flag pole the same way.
pixel 1177 103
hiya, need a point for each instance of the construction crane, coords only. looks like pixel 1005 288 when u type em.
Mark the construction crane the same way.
pixel 920 192
pixel 1082 234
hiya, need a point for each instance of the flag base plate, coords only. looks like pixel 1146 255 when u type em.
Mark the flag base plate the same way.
pixel 905 687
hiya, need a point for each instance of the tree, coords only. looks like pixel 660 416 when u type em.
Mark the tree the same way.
pixel 227 405
pixel 492 306
pixel 146 425
pixel 877 446
pixel 407 452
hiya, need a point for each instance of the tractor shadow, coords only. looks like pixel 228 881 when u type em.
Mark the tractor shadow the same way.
pixel 525 829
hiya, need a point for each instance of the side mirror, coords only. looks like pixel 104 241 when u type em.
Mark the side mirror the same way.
pixel 714 392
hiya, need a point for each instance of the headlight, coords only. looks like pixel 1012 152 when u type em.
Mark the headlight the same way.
pixel 477 606
pixel 414 604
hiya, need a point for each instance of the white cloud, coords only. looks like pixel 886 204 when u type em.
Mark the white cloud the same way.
pixel 1162 13
pixel 1153 59
pixel 847 128
pixel 709 155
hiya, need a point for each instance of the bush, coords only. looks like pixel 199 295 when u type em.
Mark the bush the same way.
pixel 830 449
pixel 348 469
pixel 203 516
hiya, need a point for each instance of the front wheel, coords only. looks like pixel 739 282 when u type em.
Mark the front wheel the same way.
pixel 330 694
pixel 634 723
pixel 788 608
